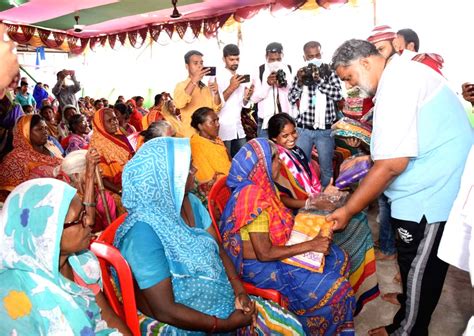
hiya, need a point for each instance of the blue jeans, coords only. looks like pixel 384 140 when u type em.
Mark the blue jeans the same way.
pixel 261 133
pixel 386 234
pixel 324 143
pixel 233 146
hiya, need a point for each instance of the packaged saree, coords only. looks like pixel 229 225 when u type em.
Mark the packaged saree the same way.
pixel 350 128
pixel 311 222
pixel 307 226
pixel 353 170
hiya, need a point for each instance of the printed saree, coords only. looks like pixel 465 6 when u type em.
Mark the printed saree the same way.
pixel 23 162
pixel 356 239
pixel 323 302
pixel 36 298
pixel 114 149
pixel 153 191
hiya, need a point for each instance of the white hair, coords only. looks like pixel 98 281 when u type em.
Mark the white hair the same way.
pixel 73 163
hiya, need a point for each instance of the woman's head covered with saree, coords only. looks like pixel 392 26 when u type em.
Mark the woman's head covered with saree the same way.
pixel 36 298
pixel 24 162
pixel 253 191
pixel 153 191
pixel 113 147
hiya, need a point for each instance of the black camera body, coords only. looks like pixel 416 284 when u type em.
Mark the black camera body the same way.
pixel 281 78
pixel 311 72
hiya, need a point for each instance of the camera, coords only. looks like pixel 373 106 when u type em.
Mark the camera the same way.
pixel 312 72
pixel 78 28
pixel 281 78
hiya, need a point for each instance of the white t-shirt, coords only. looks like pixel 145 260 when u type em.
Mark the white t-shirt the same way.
pixel 417 115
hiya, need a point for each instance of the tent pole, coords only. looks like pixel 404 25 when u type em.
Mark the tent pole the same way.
pixel 374 2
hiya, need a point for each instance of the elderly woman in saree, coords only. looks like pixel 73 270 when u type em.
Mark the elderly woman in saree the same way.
pixel 297 182
pixel 186 281
pixel 256 226
pixel 73 171
pixel 33 154
pixel 50 281
pixel 114 148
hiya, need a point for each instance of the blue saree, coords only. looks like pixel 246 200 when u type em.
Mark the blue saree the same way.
pixel 323 302
pixel 153 191
pixel 36 299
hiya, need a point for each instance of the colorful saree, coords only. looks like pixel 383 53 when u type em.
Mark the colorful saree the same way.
pixel 153 191
pixel 76 142
pixel 36 298
pixel 152 116
pixel 323 302
pixel 23 162
pixel 114 149
pixel 356 239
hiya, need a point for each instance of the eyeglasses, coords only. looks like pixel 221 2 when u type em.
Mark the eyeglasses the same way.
pixel 80 220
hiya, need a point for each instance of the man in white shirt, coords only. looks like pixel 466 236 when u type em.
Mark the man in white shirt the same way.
pixel 236 95
pixel 271 87
pixel 420 141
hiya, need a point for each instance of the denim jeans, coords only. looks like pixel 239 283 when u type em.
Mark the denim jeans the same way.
pixel 233 146
pixel 261 133
pixel 386 234
pixel 324 143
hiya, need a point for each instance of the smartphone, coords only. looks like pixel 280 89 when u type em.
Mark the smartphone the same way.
pixel 212 71
pixel 245 78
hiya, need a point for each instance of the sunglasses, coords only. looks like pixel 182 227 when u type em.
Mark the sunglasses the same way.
pixel 80 220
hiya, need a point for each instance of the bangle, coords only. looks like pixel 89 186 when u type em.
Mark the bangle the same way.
pixel 91 204
pixel 214 324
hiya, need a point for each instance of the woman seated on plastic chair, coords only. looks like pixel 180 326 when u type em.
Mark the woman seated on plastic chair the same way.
pixel 50 282
pixel 169 242
pixel 298 183
pixel 255 227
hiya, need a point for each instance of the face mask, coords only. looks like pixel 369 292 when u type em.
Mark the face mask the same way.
pixel 274 66
pixel 315 61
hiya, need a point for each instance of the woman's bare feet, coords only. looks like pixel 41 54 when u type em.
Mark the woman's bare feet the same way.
pixel 391 297
pixel 380 331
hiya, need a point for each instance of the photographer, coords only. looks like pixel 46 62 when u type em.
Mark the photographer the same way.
pixel 315 92
pixel 66 94
pixel 271 87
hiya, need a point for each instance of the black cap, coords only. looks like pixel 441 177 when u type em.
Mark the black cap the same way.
pixel 274 47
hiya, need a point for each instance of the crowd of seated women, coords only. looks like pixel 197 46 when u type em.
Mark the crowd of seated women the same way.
pixel 186 280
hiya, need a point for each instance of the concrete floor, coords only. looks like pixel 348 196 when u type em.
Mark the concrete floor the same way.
pixel 450 318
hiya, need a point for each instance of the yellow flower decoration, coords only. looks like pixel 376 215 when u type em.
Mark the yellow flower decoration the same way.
pixel 17 304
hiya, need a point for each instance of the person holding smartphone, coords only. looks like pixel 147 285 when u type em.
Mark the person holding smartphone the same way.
pixel 236 90
pixel 192 93
pixel 66 94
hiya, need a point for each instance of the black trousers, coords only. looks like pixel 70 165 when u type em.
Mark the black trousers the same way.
pixel 422 273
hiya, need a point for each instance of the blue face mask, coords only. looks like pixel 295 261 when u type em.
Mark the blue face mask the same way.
pixel 315 61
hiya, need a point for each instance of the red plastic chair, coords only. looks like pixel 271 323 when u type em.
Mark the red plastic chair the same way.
pixel 110 256
pixel 217 199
